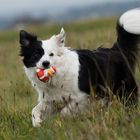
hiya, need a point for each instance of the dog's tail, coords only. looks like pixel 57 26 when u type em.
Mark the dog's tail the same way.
pixel 128 30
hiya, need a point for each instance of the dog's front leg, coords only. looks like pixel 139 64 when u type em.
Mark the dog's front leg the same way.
pixel 39 113
pixel 75 107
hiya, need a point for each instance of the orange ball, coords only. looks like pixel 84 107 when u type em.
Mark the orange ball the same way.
pixel 45 74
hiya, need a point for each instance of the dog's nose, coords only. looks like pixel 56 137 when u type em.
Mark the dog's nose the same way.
pixel 46 64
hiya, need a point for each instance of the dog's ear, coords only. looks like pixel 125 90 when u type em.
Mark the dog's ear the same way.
pixel 61 37
pixel 26 38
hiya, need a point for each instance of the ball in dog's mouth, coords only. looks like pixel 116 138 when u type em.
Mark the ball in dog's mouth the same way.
pixel 45 74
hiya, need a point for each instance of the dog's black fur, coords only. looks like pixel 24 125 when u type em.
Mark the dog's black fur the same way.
pixel 30 48
pixel 111 68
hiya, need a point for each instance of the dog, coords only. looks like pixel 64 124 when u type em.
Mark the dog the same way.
pixel 80 72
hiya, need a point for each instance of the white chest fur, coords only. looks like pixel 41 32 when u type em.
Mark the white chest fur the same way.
pixel 63 84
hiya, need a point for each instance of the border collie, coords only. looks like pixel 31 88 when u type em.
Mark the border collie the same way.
pixel 81 71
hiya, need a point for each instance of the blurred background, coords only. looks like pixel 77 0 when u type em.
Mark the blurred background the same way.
pixel 15 13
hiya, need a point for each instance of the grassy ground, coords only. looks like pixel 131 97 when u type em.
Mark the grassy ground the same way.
pixel 17 97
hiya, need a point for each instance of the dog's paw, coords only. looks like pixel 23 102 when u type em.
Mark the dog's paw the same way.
pixel 36 117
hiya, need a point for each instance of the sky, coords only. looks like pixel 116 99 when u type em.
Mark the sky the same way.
pixel 15 7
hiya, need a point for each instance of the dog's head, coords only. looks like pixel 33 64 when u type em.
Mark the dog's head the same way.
pixel 41 53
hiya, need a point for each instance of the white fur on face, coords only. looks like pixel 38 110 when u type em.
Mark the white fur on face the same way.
pixel 49 46
pixel 55 46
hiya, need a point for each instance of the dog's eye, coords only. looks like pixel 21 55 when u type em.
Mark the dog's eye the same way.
pixel 51 54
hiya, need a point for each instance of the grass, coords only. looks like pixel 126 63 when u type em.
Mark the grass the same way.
pixel 17 98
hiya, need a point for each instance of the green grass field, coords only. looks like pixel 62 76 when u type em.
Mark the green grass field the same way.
pixel 17 98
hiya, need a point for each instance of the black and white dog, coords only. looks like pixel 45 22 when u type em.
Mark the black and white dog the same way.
pixel 80 71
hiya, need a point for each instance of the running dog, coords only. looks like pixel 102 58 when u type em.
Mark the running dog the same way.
pixel 81 71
